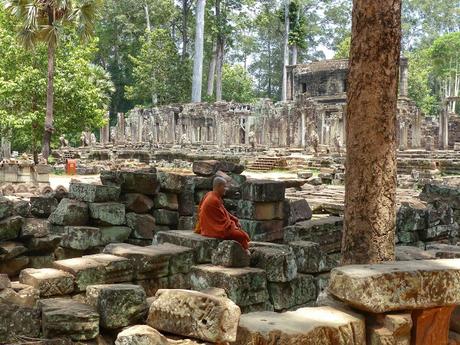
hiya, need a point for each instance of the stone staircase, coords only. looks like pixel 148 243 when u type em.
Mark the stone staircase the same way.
pixel 268 163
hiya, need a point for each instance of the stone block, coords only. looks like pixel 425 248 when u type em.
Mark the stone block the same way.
pixel 62 317
pixel 81 237
pixel 10 228
pixel 6 207
pixel 326 231
pixel 22 208
pixel 186 199
pixel 49 281
pixel 42 206
pixel 297 292
pixel 70 212
pixel 390 329
pixel 202 246
pixel 146 335
pixel 118 305
pixel 93 193
pixel 244 286
pixel 323 325
pixel 194 314
pixel 107 213
pixel 141 181
pixel 20 294
pixel 147 262
pixel 181 258
pixel 41 261
pixel 263 190
pixel 34 227
pixel 310 258
pixel 279 263
pixel 263 230
pixel 397 286
pixel 42 245
pixel 142 225
pixel 18 321
pixel 202 182
pixel 4 281
pixel 13 266
pixel 168 201
pixel 296 210
pixel 230 254
pixel 136 202
pixel 186 223
pixel 444 193
pixel 97 269
pixel 408 253
pixel 114 234
pixel 9 250
pixel 260 210
pixel 166 217
pixel 206 168
pixel 172 181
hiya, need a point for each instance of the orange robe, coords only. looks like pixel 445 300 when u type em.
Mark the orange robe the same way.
pixel 215 221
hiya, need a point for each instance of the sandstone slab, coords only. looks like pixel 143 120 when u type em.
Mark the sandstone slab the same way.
pixel 49 281
pixel 279 262
pixel 263 230
pixel 70 212
pixel 146 335
pixel 136 202
pixel 260 210
pixel 107 213
pixel 263 190
pixel 81 237
pixel 166 217
pixel 310 258
pixel 296 210
pixel 10 228
pixel 34 227
pixel 18 321
pixel 142 225
pixel 142 181
pixel 93 193
pixel 398 286
pixel 42 206
pixel 168 201
pixel 230 254
pixel 297 292
pixel 194 314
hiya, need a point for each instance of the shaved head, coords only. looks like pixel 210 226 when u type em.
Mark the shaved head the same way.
pixel 218 181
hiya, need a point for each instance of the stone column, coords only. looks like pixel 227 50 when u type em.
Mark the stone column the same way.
pixel 417 131
pixel 403 77
pixel 121 126
pixel 403 136
pixel 140 127
pixel 105 130
pixel 5 149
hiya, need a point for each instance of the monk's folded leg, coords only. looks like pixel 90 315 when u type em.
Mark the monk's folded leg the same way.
pixel 240 236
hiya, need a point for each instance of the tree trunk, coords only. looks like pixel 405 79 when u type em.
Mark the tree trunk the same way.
pixel 185 9
pixel 212 71
pixel 269 86
pixel 219 66
pixel 198 59
pixel 370 184
pixel 294 54
pixel 285 50
pixel 49 102
pixel 147 16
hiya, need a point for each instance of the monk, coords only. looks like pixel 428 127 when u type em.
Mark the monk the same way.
pixel 215 221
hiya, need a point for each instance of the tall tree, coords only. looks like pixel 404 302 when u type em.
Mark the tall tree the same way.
pixel 370 186
pixel 285 50
pixel 198 58
pixel 43 21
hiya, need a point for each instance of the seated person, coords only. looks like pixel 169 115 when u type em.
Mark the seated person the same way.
pixel 215 221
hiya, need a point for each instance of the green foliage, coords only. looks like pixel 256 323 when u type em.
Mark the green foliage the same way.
pixel 158 70
pixel 82 90
pixel 445 53
pixel 237 84
pixel 343 49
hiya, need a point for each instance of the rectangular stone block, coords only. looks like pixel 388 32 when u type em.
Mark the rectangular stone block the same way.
pixel 168 201
pixel 166 217
pixel 93 193
pixel 260 210
pixel 244 286
pixel 202 246
pixel 398 286
pixel 172 181
pixel 81 237
pixel 263 190
pixel 18 321
pixel 142 225
pixel 107 213
pixel 49 281
pixel 310 258
pixel 297 292
pixel 186 223
pixel 278 262
pixel 263 230
pixel 141 181
pixel 296 210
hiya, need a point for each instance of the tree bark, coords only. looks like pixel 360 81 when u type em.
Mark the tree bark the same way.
pixel 370 186
pixel 219 66
pixel 49 102
pixel 198 59
pixel 285 50
pixel 212 71
pixel 185 9
pixel 294 52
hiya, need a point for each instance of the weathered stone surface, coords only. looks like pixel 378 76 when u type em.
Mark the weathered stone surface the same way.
pixel 6 207
pixel 142 225
pixel 10 228
pixel 194 314
pixel 449 194
pixel 68 318
pixel 113 234
pixel 230 254
pixel 146 335
pixel 107 213
pixel 17 321
pixel 141 181
pixel 310 258
pixel 260 210
pixel 202 182
pixel 172 181
pixel 93 193
pixel 390 329
pixel 41 261
pixel 455 320
pixel 263 190
pixel 118 305
pixel 81 237
pixel 431 326
pixel 324 325
pixel 181 258
pixel 14 266
pixel 398 286
pixel 168 201
pixel 70 212
pixel 49 281
pixel 326 231
pixel 34 227
pixel 166 217
pixel 136 202
pixel 244 286
pixel 203 246
pixel 40 245
pixel 147 262
pixel 4 281
pixel 408 253
pixel 22 208
pixel 20 294
pixel 411 217
pixel 206 168
pixel 186 223
pixel 186 199
pixel 42 206
pixel 263 230
pixel 297 292
pixel 97 269
pixel 279 263
pixel 296 210
pixel 9 250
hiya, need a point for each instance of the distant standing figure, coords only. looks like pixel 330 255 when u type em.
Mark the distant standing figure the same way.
pixel 315 142
pixel 252 139
pixel 337 144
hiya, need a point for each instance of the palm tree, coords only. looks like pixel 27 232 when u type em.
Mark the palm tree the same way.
pixel 44 21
